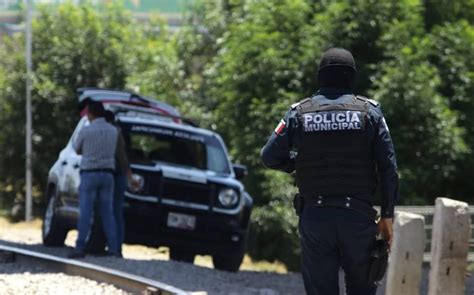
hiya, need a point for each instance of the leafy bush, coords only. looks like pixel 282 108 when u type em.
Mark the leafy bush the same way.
pixel 274 234
pixel 73 46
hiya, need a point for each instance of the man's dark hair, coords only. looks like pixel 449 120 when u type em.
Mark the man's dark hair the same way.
pixel 96 109
pixel 109 116
pixel 337 69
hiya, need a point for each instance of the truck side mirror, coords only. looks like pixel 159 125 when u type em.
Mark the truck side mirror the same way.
pixel 239 170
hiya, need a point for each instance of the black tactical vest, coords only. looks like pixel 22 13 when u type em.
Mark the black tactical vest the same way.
pixel 334 153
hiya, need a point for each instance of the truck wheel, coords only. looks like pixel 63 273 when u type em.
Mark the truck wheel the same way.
pixel 53 232
pixel 229 260
pixel 180 254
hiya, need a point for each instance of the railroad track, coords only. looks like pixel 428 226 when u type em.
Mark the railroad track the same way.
pixel 126 281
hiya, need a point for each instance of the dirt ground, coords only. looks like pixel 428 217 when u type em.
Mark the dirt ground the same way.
pixel 30 233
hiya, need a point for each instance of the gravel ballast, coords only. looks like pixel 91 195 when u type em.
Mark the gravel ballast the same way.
pixel 191 277
pixel 21 279
pixel 185 276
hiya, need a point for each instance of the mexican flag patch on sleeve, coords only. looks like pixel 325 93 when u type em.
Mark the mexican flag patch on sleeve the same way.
pixel 280 127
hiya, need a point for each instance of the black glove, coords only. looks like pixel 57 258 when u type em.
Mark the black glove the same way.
pixel 378 261
pixel 298 204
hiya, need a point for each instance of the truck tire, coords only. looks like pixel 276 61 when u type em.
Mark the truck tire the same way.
pixel 229 260
pixel 53 232
pixel 181 254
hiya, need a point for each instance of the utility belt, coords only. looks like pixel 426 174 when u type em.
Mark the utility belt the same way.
pixel 340 201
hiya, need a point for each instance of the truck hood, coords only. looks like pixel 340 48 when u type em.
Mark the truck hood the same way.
pixel 191 175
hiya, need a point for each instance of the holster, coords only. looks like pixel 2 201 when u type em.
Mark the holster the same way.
pixel 378 261
pixel 298 204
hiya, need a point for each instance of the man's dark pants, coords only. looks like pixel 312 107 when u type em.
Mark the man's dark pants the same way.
pixel 96 184
pixel 119 193
pixel 333 238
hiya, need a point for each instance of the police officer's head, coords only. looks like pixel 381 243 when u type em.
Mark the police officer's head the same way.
pixel 95 110
pixel 336 69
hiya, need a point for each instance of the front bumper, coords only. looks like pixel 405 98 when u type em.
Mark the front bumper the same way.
pixel 146 224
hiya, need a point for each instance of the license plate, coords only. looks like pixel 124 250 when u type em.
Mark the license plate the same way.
pixel 181 221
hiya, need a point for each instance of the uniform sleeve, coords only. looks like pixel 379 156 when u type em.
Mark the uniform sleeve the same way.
pixel 386 165
pixel 276 152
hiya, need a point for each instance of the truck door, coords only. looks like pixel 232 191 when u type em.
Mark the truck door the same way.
pixel 70 178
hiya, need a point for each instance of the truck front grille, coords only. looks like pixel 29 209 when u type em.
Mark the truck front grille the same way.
pixel 187 192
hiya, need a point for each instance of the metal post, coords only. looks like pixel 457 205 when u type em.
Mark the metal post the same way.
pixel 28 133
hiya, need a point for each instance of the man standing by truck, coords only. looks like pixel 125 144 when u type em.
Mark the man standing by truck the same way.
pixel 122 175
pixel 97 144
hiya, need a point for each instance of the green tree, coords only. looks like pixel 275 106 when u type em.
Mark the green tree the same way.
pixel 256 74
pixel 160 72
pixel 428 139
pixel 12 106
pixel 262 56
pixel 452 52
pixel 73 46
pixel 438 12
pixel 359 26
pixel 157 69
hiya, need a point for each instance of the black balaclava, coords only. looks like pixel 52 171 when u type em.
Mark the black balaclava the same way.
pixel 336 69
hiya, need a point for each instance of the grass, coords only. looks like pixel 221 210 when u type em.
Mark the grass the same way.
pixel 5 224
pixel 17 231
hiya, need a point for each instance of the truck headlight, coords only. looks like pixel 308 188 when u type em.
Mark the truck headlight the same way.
pixel 136 184
pixel 228 197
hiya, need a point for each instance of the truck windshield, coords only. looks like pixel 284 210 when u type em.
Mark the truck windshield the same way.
pixel 151 144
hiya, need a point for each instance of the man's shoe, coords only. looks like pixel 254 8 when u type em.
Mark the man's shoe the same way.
pixel 114 254
pixel 99 253
pixel 76 254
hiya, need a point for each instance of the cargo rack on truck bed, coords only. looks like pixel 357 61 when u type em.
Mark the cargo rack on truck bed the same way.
pixel 122 101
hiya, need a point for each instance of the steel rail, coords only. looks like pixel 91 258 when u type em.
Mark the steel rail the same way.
pixel 126 281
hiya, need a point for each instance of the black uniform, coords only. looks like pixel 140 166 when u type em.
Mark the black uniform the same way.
pixel 340 147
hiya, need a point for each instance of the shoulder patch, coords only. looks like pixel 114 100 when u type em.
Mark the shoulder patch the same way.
pixel 293 106
pixel 371 101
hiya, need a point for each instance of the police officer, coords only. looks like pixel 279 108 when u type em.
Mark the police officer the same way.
pixel 340 147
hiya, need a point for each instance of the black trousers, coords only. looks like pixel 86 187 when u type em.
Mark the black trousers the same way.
pixel 333 242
